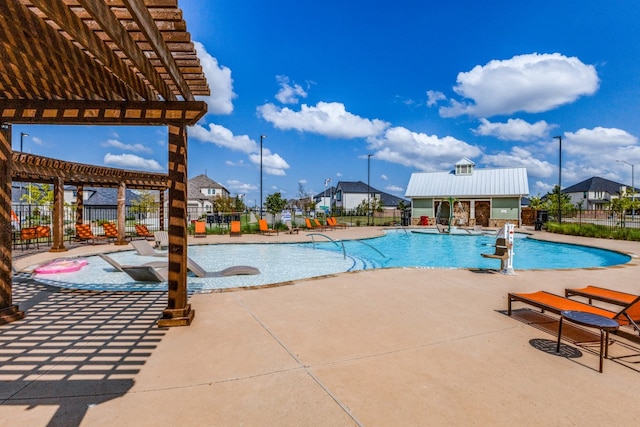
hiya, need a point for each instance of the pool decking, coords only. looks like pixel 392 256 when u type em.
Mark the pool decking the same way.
pixel 378 347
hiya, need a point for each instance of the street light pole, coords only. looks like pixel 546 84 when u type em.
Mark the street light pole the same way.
pixel 261 138
pixel 559 179
pixel 633 189
pixel 368 186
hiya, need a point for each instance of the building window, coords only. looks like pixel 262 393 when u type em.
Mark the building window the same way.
pixel 464 169
pixel 339 196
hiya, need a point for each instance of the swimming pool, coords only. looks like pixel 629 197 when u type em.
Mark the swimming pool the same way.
pixel 293 261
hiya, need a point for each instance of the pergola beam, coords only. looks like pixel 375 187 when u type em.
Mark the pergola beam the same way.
pixel 110 24
pixel 76 28
pixel 101 112
pixel 144 20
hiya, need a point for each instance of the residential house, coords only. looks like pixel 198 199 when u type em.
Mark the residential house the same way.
pixel 201 191
pixel 594 193
pixel 349 195
pixel 468 196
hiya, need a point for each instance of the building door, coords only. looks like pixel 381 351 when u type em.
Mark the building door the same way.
pixel 483 212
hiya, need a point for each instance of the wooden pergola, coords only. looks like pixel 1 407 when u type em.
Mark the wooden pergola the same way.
pixel 99 62
pixel 28 167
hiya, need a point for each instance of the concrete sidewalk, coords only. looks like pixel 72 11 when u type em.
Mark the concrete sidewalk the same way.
pixel 373 348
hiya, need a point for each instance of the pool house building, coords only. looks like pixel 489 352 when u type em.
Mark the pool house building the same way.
pixel 467 196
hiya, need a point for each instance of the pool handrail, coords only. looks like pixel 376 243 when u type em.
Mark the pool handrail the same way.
pixel 344 252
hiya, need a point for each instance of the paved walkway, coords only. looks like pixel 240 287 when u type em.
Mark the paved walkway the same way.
pixel 385 347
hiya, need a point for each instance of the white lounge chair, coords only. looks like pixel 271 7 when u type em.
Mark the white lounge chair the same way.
pixel 161 238
pixel 143 247
pixel 230 271
pixel 120 267
pixel 141 273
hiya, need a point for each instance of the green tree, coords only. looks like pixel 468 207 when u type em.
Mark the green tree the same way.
pixel 623 204
pixel 275 203
pixel 536 202
pixel 224 204
pixel 239 205
pixel 566 207
pixel 145 203
pixel 38 194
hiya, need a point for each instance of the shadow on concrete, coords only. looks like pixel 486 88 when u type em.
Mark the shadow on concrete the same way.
pixel 75 349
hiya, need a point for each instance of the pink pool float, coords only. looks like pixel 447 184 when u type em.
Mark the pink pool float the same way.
pixel 62 265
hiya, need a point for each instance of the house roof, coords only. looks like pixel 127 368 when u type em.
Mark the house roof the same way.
pixel 201 181
pixel 483 182
pixel 107 196
pixel 595 184
pixel 359 187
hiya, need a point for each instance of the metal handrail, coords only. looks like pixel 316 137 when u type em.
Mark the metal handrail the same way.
pixel 344 252
pixel 372 247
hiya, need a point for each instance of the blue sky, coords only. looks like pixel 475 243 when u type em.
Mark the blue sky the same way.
pixel 417 84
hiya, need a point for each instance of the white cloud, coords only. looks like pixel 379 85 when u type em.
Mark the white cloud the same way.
pixel 131 161
pixel 520 157
pixel 418 150
pixel 597 140
pixel 542 188
pixel 533 83
pixel 515 130
pixel 327 118
pixel 289 94
pixel 219 80
pixel 223 137
pixel 240 187
pixel 384 177
pixel 136 148
pixel 433 97
pixel 272 164
pixel 395 189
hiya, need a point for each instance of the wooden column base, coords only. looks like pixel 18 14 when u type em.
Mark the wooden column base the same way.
pixel 121 242
pixel 10 314
pixel 58 249
pixel 176 317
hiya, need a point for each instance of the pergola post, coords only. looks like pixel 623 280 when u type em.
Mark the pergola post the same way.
pixel 122 188
pixel 8 311
pixel 178 311
pixel 58 216
pixel 162 210
pixel 79 204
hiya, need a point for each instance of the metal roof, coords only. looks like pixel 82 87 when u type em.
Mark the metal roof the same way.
pixel 483 182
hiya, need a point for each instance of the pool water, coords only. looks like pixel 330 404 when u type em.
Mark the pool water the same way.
pixel 293 261
pixel 402 249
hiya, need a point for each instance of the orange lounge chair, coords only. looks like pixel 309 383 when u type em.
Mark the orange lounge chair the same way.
pixel 310 226
pixel 84 233
pixel 317 224
pixel 235 229
pixel 143 231
pixel 602 294
pixel 110 231
pixel 264 228
pixel 200 229
pixel 333 223
pixel 43 232
pixel 546 301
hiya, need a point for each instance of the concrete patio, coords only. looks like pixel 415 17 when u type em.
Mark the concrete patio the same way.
pixel 371 348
